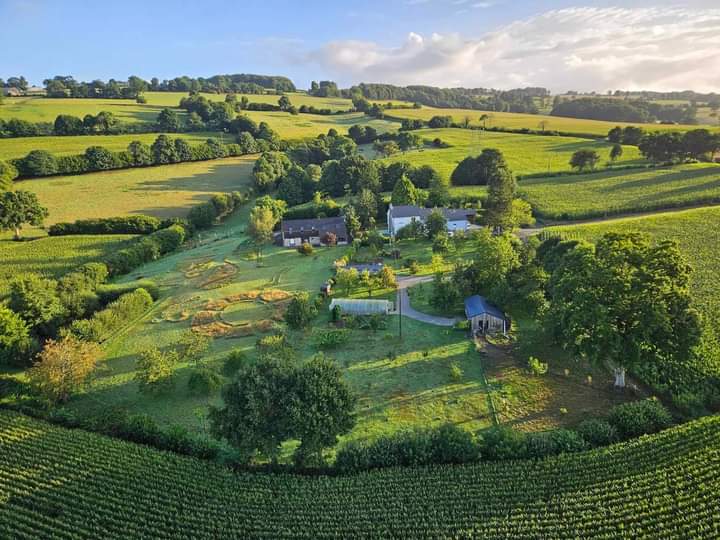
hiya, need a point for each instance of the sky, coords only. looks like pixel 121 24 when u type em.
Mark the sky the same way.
pixel 561 45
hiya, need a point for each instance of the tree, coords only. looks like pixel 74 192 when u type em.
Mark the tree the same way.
pixel 66 124
pixel 366 207
pixel 322 408
pixel 445 293
pixel 140 154
pixel 352 221
pixel 521 214
pixel 632 135
pixel 284 103
pixel 495 258
pixel 154 369
pixel 64 367
pixel 301 311
pixel 387 277
pixel 347 279
pixel 501 189
pixel 584 159
pixel 436 223
pixel 269 169
pixel 616 152
pixel 183 150
pixel 18 208
pixel 700 143
pixel 276 206
pixel 99 158
pixel 168 120
pixel 255 417
pixel 386 148
pixel 600 309
pixel 35 299
pixel 615 135
pixel 662 147
pixel 192 346
pixel 485 118
pixel 408 140
pixel 404 193
pixel 15 343
pixel 439 192
pixel 105 121
pixel 8 173
pixel 39 163
pixel 163 150
pixel 543 125
pixel 260 228
pixel 296 186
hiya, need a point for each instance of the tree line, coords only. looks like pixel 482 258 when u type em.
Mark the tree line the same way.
pixel 618 110
pixel 669 146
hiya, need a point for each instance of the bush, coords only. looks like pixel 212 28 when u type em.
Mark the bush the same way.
pixel 597 432
pixel 305 249
pixel 551 443
pixel 331 339
pixel 639 418
pixel 500 443
pixel 138 224
pixel 233 362
pixel 537 367
pixel 204 381
pixel 38 163
pixel 16 346
pixel 118 313
pixel 112 291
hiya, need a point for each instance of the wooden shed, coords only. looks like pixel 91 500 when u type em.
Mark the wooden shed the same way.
pixel 484 317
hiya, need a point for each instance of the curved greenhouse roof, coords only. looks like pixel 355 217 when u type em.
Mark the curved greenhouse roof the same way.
pixel 358 306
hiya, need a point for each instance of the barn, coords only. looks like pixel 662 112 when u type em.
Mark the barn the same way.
pixel 484 317
pixel 357 306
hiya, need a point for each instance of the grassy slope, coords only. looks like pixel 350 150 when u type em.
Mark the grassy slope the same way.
pixel 603 193
pixel 529 121
pixel 525 154
pixel 164 191
pixel 55 256
pixel 63 483
pixel 19 147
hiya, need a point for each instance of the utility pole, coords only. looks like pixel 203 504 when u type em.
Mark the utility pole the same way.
pixel 400 311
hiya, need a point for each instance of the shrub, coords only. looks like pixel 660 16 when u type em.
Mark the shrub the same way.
pixel 300 311
pixel 597 432
pixel 550 443
pixel 537 367
pixel 639 418
pixel 233 362
pixel 16 346
pixel 456 372
pixel 500 443
pixel 154 370
pixel 204 381
pixel 38 163
pixel 331 339
pixel 305 249
pixel 137 224
pixel 112 291
pixel 118 313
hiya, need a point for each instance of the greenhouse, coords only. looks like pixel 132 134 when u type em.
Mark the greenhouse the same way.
pixel 354 306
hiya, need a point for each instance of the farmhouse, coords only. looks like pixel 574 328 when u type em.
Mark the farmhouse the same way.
pixel 401 216
pixel 353 306
pixel 484 317
pixel 295 232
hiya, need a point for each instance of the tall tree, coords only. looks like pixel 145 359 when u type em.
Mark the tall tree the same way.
pixel 404 192
pixel 260 228
pixel 18 208
pixel 501 189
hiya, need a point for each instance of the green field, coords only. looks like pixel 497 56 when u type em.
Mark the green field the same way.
pixel 525 154
pixel 529 121
pixel 163 191
pixel 60 483
pixel 617 192
pixel 54 256
pixel 76 144
pixel 172 99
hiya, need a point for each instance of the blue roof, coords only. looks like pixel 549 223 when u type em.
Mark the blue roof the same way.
pixel 477 305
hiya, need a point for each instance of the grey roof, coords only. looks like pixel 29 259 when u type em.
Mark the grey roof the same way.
pixel 373 268
pixel 315 227
pixel 451 214
pixel 477 305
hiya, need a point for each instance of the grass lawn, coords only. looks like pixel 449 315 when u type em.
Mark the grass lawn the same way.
pixel 163 191
pixel 172 99
pixel 615 192
pixel 531 121
pixel 525 154
pixel 54 256
pixel 77 144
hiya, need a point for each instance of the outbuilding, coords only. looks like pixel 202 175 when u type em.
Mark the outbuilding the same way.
pixel 484 317
pixel 359 306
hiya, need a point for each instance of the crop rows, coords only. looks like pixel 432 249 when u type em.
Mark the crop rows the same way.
pixel 71 484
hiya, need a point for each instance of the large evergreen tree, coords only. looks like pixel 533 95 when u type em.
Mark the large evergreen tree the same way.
pixel 501 189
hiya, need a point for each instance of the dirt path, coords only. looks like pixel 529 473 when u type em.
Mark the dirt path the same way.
pixel 403 302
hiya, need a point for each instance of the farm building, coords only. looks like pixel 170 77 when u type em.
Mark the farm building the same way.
pixel 295 232
pixel 401 216
pixel 484 317
pixel 353 306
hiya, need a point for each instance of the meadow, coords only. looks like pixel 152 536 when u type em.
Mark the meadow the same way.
pixel 525 154
pixel 530 121
pixel 616 192
pixel 61 483
pixel 172 99
pixel 163 191
pixel 55 256
pixel 304 126
pixel 77 144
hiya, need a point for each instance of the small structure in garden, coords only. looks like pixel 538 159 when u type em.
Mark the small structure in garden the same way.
pixel 316 232
pixel 357 306
pixel 484 317
pixel 402 216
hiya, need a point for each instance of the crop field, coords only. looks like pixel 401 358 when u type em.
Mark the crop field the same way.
pixel 164 191
pixel 616 192
pixel 172 99
pixel 530 121
pixel 525 154
pixel 76 144
pixel 54 256
pixel 66 484
pixel 303 126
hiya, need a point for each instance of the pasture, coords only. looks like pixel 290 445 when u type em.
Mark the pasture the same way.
pixel 172 99
pixel 163 191
pixel 525 154
pixel 616 192
pixel 530 121
pixel 304 126
pixel 76 144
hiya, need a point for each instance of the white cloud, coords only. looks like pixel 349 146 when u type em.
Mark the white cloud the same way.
pixel 575 48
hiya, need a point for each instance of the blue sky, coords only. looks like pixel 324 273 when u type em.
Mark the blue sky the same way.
pixel 499 43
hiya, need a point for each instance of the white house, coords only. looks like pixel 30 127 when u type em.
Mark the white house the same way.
pixel 401 216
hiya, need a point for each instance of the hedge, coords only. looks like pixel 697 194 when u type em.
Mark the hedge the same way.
pixel 117 314
pixel 146 249
pixel 110 292
pixel 139 224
